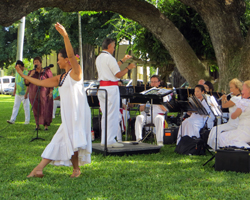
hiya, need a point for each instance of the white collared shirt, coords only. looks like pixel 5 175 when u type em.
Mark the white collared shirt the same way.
pixel 107 67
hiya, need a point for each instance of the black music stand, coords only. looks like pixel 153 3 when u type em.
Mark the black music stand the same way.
pixel 179 102
pixel 183 94
pixel 192 105
pixel 126 93
pixel 214 107
pixel 94 104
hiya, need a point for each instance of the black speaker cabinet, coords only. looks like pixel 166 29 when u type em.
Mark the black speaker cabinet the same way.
pixel 232 160
pixel 170 135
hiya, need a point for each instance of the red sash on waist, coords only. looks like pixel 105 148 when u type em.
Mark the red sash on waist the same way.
pixel 108 83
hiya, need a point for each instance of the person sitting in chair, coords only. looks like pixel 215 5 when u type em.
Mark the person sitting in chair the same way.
pixel 192 125
pixel 235 88
pixel 158 116
pixel 239 137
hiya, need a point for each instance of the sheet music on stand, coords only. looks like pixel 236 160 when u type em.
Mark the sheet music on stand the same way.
pixel 156 91
pixel 156 94
pixel 215 108
pixel 197 106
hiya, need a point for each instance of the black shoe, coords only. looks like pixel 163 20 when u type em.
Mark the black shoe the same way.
pixel 46 129
pixel 37 128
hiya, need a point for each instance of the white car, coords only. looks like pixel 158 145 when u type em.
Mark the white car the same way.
pixel 129 83
pixel 10 89
pixel 91 84
pixel 5 81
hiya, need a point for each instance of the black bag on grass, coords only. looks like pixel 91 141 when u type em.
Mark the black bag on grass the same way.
pixel 191 146
pixel 204 133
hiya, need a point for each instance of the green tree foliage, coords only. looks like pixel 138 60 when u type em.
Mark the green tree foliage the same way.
pixel 147 47
pixel 41 37
pixel 8 44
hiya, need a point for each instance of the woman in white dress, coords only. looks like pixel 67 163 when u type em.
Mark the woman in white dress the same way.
pixel 235 88
pixel 192 125
pixel 71 145
pixel 239 137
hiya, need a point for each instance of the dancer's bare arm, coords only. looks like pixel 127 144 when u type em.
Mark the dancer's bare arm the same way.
pixel 76 73
pixel 49 82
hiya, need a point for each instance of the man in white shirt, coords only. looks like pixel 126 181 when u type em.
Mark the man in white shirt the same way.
pixel 158 116
pixel 108 74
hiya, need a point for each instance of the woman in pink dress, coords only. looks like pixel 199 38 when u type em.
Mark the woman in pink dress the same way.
pixel 41 98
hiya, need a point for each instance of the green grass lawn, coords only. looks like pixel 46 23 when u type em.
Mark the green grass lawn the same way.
pixel 165 175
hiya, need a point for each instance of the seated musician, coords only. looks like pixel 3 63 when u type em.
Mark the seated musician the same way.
pixel 208 87
pixel 239 137
pixel 235 88
pixel 192 125
pixel 158 116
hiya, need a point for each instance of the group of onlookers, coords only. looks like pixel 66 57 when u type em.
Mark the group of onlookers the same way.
pixel 40 98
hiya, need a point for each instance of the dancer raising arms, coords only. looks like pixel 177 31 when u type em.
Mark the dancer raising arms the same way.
pixel 71 145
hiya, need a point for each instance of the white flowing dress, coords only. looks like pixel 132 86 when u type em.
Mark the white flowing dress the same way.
pixel 241 136
pixel 192 125
pixel 74 134
pixel 230 125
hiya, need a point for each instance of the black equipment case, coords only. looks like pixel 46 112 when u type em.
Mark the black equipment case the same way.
pixel 231 159
pixel 170 135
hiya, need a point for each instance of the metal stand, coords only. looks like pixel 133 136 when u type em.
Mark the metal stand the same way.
pixel 216 117
pixel 213 155
pixel 150 125
pixel 106 117
pixel 126 120
pixel 38 110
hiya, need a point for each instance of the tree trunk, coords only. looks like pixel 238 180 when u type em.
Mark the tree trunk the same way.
pixel 244 71
pixel 176 78
pixel 222 18
pixel 89 69
pixel 165 71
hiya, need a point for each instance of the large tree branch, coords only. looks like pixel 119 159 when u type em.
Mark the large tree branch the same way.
pixel 142 12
